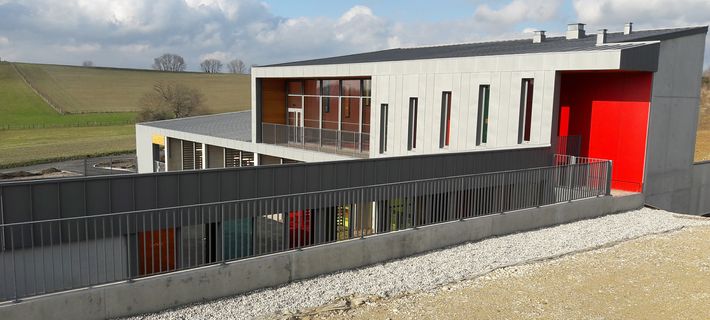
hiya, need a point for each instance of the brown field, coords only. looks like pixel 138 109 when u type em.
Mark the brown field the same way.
pixel 664 276
pixel 702 143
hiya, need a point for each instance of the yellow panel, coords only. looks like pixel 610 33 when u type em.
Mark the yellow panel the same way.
pixel 158 139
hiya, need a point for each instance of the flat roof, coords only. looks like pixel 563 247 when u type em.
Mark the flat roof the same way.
pixel 551 44
pixel 230 125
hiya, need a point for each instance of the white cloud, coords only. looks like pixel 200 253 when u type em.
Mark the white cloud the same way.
pixel 518 11
pixel 219 55
pixel 645 14
pixel 131 33
pixel 4 41
pixel 134 48
pixel 81 48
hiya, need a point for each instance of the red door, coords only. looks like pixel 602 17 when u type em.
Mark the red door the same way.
pixel 299 226
pixel 156 251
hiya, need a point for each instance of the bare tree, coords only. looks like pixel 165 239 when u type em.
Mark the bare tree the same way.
pixel 87 63
pixel 237 66
pixel 211 66
pixel 169 62
pixel 170 100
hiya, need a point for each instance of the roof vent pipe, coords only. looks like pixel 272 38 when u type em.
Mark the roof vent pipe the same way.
pixel 601 36
pixel 628 28
pixel 575 31
pixel 539 36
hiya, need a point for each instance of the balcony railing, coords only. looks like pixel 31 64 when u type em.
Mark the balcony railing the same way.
pixel 348 143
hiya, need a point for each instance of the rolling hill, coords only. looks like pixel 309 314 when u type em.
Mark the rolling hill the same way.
pixel 52 112
pixel 81 90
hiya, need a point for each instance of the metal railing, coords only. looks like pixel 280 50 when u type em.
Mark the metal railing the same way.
pixel 569 145
pixel 324 140
pixel 63 254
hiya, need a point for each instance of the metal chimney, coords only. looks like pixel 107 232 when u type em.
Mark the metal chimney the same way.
pixel 601 36
pixel 628 28
pixel 539 36
pixel 575 31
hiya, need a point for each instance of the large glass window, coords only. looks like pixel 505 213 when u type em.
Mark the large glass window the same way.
pixel 526 106
pixel 412 132
pixel 482 123
pixel 335 113
pixel 332 104
pixel 383 127
pixel 445 133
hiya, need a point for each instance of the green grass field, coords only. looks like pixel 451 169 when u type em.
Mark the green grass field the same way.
pixel 80 90
pixel 98 108
pixel 28 146
pixel 20 107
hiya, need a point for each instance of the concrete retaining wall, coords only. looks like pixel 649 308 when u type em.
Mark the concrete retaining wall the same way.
pixel 175 289
pixel 699 197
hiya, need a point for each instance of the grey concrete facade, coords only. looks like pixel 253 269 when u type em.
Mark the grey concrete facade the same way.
pixel 700 194
pixel 179 288
pixel 672 126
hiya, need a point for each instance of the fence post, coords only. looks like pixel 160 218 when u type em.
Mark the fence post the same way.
pixel 222 222
pixel 85 166
pixel 608 178
pixel 416 184
pixel 502 193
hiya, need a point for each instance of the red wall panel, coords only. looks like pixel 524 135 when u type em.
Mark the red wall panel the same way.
pixel 609 110
pixel 156 251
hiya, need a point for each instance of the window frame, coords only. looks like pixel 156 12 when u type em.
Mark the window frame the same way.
pixel 384 118
pixel 527 92
pixel 412 128
pixel 445 130
pixel 484 94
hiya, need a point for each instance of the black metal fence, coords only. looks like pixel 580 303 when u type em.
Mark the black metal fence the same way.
pixel 85 196
pixel 55 255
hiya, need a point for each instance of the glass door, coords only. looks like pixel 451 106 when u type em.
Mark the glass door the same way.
pixel 295 125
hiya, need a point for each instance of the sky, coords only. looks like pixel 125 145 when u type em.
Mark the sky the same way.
pixel 130 33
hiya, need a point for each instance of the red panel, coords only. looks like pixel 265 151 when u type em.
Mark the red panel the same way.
pixel 156 251
pixel 299 226
pixel 609 110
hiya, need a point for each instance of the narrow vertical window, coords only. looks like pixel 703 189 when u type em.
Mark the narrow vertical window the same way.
pixel 482 123
pixel 526 105
pixel 445 133
pixel 412 132
pixel 383 128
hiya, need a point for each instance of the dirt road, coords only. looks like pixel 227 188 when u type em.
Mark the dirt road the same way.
pixel 664 276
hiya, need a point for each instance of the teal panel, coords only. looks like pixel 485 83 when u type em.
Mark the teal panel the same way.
pixel 238 237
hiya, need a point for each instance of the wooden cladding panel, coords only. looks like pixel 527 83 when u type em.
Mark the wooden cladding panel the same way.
pixel 273 99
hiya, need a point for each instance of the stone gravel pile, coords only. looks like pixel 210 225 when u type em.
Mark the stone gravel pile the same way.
pixel 432 270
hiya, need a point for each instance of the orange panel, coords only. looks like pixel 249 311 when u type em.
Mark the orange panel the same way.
pixel 156 251
pixel 273 101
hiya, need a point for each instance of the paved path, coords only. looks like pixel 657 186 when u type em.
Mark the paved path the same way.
pixel 76 166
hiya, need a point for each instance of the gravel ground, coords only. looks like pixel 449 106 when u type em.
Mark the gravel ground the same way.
pixel 659 276
pixel 432 270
